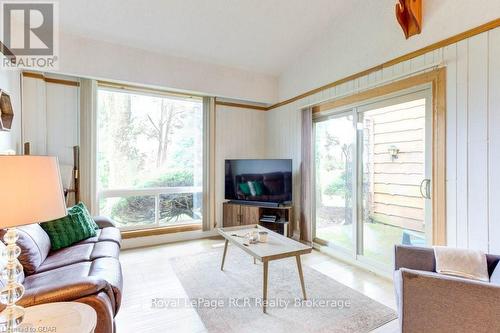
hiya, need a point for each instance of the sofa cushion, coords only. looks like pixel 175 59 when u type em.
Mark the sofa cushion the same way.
pixel 80 253
pixel 34 244
pixel 69 230
pixel 72 282
pixel 105 234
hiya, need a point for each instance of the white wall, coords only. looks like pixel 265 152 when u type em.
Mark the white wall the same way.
pixel 473 133
pixel 239 133
pixel 10 82
pixel 372 36
pixel 95 59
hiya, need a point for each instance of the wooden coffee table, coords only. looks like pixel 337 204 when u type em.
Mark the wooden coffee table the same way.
pixel 276 247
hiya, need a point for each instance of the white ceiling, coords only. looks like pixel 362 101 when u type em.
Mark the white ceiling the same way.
pixel 257 35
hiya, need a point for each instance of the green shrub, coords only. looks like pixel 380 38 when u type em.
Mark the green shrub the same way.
pixel 140 209
pixel 337 187
pixel 171 179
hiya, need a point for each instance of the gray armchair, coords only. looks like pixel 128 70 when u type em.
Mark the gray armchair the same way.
pixel 431 302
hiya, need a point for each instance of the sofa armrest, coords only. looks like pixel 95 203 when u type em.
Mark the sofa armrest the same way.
pixel 61 291
pixel 104 222
pixel 413 257
pixel 432 302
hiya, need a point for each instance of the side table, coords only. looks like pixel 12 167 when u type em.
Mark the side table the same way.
pixel 61 317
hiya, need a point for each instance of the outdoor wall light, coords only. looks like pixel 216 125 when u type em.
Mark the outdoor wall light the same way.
pixel 393 151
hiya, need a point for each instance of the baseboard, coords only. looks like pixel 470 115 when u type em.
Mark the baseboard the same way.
pixel 137 242
pixel 349 260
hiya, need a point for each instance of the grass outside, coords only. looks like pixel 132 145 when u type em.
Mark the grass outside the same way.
pixel 379 239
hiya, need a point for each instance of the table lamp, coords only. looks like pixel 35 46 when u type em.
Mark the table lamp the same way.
pixel 30 192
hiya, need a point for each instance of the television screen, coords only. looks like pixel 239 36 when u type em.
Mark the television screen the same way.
pixel 258 180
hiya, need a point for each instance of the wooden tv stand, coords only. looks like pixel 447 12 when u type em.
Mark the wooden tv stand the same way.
pixel 236 214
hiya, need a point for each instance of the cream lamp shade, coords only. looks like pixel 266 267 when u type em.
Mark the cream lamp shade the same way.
pixel 30 190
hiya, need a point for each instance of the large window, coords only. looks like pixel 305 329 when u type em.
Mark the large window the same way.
pixel 149 158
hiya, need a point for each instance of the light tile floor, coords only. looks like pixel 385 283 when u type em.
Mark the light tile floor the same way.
pixel 148 275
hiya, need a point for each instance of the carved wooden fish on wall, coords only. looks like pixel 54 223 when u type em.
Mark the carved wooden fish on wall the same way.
pixel 6 112
pixel 409 16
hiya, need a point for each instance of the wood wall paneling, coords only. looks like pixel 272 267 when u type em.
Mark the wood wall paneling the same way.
pixel 50 119
pixel 450 61
pixel 461 142
pixel 477 209
pixel 472 136
pixel 62 121
pixel 34 119
pixel 494 141
pixel 240 133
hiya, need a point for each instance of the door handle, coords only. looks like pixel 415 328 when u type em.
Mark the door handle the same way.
pixel 426 192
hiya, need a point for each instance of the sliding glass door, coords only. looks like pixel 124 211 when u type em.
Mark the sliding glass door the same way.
pixel 372 167
pixel 334 146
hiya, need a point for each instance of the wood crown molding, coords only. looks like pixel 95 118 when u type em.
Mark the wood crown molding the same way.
pixel 386 89
pixel 242 105
pixel 451 40
pixel 51 80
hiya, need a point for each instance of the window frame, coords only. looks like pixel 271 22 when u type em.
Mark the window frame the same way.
pixel 436 79
pixel 155 228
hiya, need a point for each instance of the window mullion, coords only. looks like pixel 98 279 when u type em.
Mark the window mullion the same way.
pixel 157 210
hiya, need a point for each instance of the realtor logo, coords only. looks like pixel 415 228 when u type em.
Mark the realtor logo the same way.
pixel 29 34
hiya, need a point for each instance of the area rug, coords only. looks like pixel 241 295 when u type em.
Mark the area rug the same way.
pixel 230 300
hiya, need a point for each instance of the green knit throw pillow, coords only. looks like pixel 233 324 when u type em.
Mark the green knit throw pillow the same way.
pixel 68 230
pixel 80 207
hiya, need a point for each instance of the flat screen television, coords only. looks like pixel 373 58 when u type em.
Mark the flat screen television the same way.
pixel 262 180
